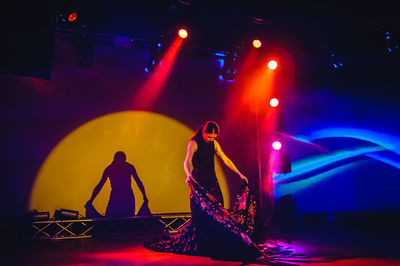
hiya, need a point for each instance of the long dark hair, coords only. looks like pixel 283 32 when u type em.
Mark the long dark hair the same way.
pixel 208 127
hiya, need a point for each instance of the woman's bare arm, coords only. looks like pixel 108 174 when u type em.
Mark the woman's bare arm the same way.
pixel 187 165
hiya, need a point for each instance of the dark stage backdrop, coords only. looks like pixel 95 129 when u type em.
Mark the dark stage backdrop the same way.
pixel 58 135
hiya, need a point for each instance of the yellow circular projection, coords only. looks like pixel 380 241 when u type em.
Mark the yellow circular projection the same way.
pixel 155 144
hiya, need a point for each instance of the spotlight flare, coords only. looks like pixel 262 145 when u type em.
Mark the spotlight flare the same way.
pixel 274 102
pixel 183 33
pixel 272 64
pixel 277 145
pixel 257 43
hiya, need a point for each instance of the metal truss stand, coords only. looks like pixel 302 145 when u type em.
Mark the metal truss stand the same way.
pixel 174 221
pixel 86 228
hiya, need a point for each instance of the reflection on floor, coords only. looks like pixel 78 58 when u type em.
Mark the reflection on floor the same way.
pixel 325 246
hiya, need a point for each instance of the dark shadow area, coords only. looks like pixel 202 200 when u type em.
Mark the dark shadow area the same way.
pixel 28 48
pixel 323 244
pixel 330 244
pixel 122 199
pixel 377 222
pixel 336 237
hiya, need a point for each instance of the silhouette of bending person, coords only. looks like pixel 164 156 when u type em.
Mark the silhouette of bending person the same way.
pixel 122 199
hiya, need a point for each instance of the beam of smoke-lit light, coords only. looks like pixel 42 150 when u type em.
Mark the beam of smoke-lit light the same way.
pixel 149 92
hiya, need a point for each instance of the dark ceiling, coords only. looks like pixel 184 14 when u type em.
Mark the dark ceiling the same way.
pixel 355 32
pixel 221 23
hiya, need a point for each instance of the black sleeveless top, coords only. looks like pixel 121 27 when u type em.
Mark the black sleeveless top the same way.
pixel 203 162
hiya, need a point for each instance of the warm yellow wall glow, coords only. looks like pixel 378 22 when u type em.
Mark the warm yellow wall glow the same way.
pixel 153 143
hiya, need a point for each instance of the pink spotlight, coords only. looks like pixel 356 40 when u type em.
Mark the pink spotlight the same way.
pixel 274 102
pixel 277 145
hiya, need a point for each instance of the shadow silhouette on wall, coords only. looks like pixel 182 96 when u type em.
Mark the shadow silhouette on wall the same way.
pixel 122 199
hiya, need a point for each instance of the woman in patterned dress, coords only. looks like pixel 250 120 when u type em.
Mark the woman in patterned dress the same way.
pixel 213 230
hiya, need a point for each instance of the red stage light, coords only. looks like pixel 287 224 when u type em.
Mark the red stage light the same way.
pixel 276 145
pixel 257 43
pixel 272 64
pixel 73 17
pixel 274 102
pixel 183 33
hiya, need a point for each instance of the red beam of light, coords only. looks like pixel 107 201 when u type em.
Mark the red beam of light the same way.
pixel 249 101
pixel 255 102
pixel 258 90
pixel 149 92
pixel 269 156
pixel 256 83
pixel 234 106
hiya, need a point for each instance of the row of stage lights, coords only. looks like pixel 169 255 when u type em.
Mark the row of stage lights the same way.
pixel 85 48
pixel 229 61
pixel 228 71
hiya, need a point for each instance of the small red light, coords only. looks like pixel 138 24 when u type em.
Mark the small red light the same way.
pixel 73 17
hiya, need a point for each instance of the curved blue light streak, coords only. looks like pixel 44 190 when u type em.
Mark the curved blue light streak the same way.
pixel 382 140
pixel 390 142
pixel 311 164
pixel 384 159
pixel 291 188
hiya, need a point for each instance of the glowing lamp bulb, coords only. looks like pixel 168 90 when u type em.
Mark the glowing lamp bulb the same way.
pixel 276 145
pixel 72 17
pixel 272 64
pixel 257 43
pixel 274 102
pixel 183 33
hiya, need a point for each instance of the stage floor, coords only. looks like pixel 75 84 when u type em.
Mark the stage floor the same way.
pixel 325 246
